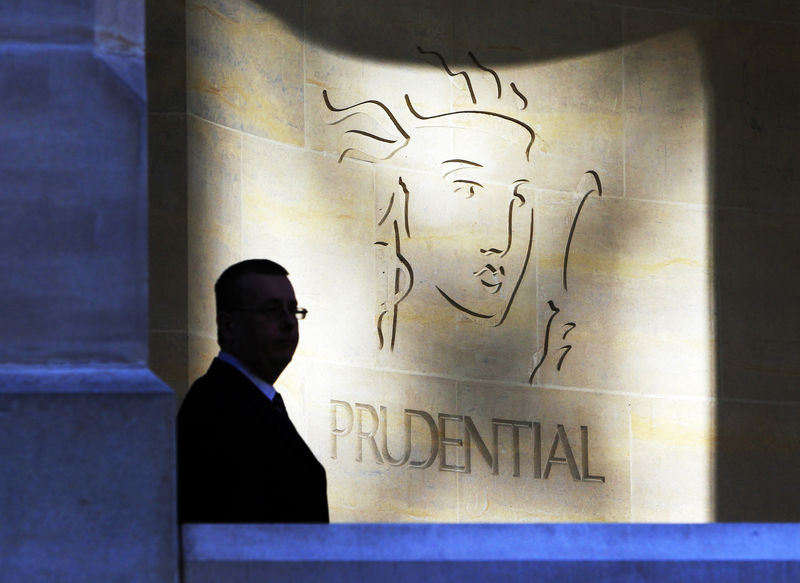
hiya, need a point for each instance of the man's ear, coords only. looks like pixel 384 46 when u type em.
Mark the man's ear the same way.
pixel 225 327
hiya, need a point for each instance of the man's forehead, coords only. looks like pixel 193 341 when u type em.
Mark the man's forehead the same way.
pixel 261 287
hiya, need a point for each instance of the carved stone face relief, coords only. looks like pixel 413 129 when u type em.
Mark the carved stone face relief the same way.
pixel 483 187
pixel 474 216
pixel 457 224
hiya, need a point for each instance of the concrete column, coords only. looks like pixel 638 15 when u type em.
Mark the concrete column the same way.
pixel 86 431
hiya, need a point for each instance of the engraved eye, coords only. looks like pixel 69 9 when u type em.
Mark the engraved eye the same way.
pixel 469 187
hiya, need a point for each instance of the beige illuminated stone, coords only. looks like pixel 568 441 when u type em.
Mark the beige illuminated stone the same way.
pixel 466 313
pixel 666 117
pixel 559 455
pixel 211 30
pixel 369 119
pixel 213 214
pixel 244 71
pixel 576 110
pixel 672 459
pixel 637 294
pixel 314 216
pixel 510 309
pixel 360 435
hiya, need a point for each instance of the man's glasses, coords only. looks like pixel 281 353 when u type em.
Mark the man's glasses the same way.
pixel 275 311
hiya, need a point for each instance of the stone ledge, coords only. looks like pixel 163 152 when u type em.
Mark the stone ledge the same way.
pixel 79 379
pixel 473 552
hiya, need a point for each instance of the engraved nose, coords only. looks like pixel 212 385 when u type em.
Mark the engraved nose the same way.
pixel 519 200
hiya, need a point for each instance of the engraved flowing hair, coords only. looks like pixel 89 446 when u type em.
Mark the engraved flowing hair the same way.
pixel 395 136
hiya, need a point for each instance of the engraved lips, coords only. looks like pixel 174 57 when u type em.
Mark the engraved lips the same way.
pixel 491 278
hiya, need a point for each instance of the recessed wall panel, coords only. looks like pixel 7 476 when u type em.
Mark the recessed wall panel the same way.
pixel 502 243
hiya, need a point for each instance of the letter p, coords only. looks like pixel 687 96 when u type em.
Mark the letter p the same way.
pixel 337 431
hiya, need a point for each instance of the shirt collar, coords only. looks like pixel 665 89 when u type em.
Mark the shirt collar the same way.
pixel 262 385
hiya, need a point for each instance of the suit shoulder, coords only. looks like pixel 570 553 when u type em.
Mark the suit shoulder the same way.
pixel 203 391
pixel 215 396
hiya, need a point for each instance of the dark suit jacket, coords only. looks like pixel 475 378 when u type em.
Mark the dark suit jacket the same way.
pixel 240 459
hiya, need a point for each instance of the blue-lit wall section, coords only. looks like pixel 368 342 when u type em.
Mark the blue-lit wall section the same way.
pixel 73 180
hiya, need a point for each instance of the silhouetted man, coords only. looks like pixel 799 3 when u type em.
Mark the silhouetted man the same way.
pixel 240 459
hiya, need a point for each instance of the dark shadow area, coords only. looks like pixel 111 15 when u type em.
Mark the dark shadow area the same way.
pixel 754 73
pixel 383 31
pixel 167 190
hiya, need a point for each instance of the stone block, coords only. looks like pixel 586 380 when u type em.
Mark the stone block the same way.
pixel 213 215
pixel 756 475
pixel 356 426
pixel 342 28
pixel 759 305
pixel 558 456
pixel 756 114
pixel 245 70
pixel 528 29
pixel 88 475
pixel 166 55
pixel 119 27
pixel 167 209
pixel 202 350
pixel 169 358
pixel 668 103
pixel 68 22
pixel 71 228
pixel 673 452
pixel 637 306
pixel 315 217
pixel 336 113
pixel 771 10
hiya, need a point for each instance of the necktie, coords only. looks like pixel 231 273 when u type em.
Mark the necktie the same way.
pixel 277 400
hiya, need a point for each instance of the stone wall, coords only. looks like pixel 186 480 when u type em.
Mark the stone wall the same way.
pixel 73 228
pixel 87 450
pixel 627 349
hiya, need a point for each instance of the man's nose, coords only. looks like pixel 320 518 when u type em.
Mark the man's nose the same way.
pixel 287 317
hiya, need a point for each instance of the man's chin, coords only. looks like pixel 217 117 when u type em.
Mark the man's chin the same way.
pixel 270 369
pixel 280 359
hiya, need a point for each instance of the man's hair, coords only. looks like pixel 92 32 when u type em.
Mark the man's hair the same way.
pixel 227 290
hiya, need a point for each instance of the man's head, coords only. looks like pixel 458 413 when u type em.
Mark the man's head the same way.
pixel 256 316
